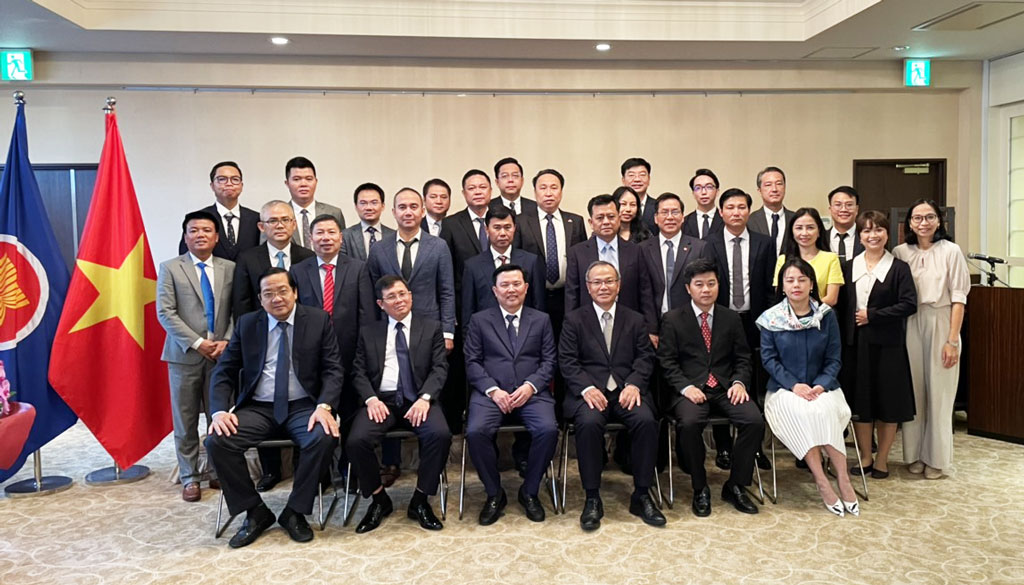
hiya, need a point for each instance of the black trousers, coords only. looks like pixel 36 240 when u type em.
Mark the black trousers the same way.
pixel 642 427
pixel 690 422
pixel 434 437
pixel 256 423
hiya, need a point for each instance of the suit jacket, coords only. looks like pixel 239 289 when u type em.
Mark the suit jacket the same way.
pixel 251 264
pixel 690 227
pixel 633 280
pixel 432 282
pixel 426 352
pixel 246 236
pixel 463 238
pixel 352 243
pixel 890 302
pixel 759 223
pixel 476 282
pixel 650 252
pixel 810 356
pixel 522 204
pixel 584 359
pixel 491 361
pixel 760 265
pixel 685 359
pixel 857 246
pixel 319 208
pixel 529 228
pixel 354 305
pixel 315 359
pixel 182 312
pixel 648 216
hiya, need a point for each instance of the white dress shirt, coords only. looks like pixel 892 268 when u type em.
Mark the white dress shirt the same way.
pixel 273 255
pixel 833 241
pixel 664 263
pixel 865 279
pixel 711 215
pixel 782 226
pixel 310 212
pixel 559 241
pixel 600 319
pixel 323 273
pixel 235 221
pixel 389 378
pixel 434 226
pixel 413 249
pixel 213 286
pixel 515 325
pixel 366 234
pixel 507 254
pixel 612 256
pixel 265 387
pixel 745 273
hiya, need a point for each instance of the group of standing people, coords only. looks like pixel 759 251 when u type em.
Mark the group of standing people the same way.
pixel 285 322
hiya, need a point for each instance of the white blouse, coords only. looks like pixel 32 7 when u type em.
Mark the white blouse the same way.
pixel 940 273
pixel 866 279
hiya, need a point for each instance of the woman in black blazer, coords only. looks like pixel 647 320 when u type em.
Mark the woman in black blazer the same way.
pixel 880 295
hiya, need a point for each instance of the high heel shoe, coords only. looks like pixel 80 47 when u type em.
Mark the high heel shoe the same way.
pixel 852 507
pixel 836 508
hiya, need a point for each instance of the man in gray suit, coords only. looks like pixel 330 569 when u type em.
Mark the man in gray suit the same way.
pixel 194 306
pixel 772 218
pixel 300 178
pixel 357 239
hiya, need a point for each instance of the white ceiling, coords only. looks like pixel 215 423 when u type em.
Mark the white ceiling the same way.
pixel 639 30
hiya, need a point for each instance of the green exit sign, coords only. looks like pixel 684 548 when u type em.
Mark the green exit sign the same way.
pixel 16 65
pixel 917 72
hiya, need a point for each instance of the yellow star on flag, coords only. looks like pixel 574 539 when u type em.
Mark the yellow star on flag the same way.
pixel 124 293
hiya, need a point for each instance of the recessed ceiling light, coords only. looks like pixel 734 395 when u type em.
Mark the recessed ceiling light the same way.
pixel 901 48
pixel 603 47
pixel 279 41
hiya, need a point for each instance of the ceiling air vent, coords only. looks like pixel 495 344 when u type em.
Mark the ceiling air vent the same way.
pixel 974 16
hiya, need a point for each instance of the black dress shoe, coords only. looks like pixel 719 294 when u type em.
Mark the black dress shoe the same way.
pixel 267 482
pixel 424 514
pixel 374 514
pixel 702 503
pixel 763 463
pixel 593 511
pixel 256 521
pixel 296 525
pixel 737 496
pixel 532 506
pixel 648 512
pixel 521 467
pixel 494 507
pixel 723 460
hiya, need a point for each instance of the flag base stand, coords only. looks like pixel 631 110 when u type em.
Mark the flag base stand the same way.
pixel 115 475
pixel 38 485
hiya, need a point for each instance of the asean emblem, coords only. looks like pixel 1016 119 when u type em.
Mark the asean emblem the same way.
pixel 24 292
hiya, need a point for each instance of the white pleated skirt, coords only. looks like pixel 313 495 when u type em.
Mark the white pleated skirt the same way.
pixel 804 424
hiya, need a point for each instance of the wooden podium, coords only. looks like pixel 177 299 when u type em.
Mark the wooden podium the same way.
pixel 996 360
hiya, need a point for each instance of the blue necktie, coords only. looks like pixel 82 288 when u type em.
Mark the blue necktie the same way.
pixel 670 264
pixel 484 242
pixel 204 284
pixel 406 382
pixel 284 366
pixel 280 259
pixel 512 336
pixel 551 253
pixel 609 256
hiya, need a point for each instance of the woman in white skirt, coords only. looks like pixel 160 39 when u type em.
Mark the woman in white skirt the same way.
pixel 933 336
pixel 805 408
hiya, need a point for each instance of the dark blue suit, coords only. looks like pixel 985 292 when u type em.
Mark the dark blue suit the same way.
pixel 478 277
pixel 633 280
pixel 432 282
pixel 492 362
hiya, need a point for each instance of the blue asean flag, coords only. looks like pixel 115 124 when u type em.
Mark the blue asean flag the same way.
pixel 33 284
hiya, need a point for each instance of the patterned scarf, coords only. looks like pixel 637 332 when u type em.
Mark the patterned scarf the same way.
pixel 781 317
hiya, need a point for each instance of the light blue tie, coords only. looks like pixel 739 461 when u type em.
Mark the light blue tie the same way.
pixel 280 259
pixel 207 288
pixel 609 256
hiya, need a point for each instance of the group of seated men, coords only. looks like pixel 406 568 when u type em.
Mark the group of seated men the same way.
pixel 285 322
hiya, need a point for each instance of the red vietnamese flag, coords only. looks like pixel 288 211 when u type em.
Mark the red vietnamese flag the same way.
pixel 106 354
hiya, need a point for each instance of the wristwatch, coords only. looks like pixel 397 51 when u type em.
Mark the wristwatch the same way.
pixel 325 406
pixel 955 344
pixel 425 396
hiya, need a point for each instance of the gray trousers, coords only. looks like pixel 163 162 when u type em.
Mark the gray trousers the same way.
pixel 190 393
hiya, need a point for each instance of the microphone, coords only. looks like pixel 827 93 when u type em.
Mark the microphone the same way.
pixel 984 258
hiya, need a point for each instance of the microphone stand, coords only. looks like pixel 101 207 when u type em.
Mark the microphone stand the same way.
pixel 990 273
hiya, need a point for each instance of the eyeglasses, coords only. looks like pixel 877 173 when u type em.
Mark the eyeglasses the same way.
pixel 269 295
pixel 392 297
pixel 274 221
pixel 504 176
pixel 849 206
pixel 704 188
pixel 605 282
pixel 930 218
pixel 222 180
pixel 670 212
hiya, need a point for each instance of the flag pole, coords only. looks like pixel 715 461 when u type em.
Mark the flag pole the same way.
pixel 115 475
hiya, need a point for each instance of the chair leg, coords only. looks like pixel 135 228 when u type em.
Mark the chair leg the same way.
pixel 775 486
pixel 657 487
pixel 219 529
pixel 856 448
pixel 462 476
pixel 671 465
pixel 553 485
pixel 565 466
pixel 349 510
pixel 444 494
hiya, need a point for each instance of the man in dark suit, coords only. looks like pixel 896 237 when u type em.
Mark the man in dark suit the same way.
pixel 300 178
pixel 605 245
pixel 399 373
pixel 358 238
pixel 237 228
pixel 772 218
pixel 607 360
pixel 706 362
pixel 510 363
pixel 477 280
pixel 664 257
pixel 280 375
pixel 705 219
pixel 843 206
pixel 636 174
pixel 437 198
pixel 508 175
pixel 550 233
pixel 277 222
pixel 465 232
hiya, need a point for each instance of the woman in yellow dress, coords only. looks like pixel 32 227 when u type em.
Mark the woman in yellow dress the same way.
pixel 806 238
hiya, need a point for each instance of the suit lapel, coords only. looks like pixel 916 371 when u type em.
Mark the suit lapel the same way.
pixel 423 254
pixel 311 272
pixel 189 270
pixel 470 229
pixel 533 224
pixel 391 254
pixel 357 241
pixel 682 254
pixel 595 326
pixel 654 252
pixel 501 329
pixel 525 322
pixel 220 276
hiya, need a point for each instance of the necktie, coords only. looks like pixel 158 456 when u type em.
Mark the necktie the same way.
pixel 284 366
pixel 306 235
pixel 208 302
pixel 435 228
pixel 607 329
pixel 707 226
pixel 407 258
pixel 512 336
pixel 484 243
pixel 373 235
pixel 406 382
pixel 842 246
pixel 775 230
pixel 503 259
pixel 228 217
pixel 670 264
pixel 705 330
pixel 512 207
pixel 608 255
pixel 280 259
pixel 737 274
pixel 551 251
pixel 328 288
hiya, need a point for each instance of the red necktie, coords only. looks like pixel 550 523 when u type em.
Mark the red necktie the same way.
pixel 329 288
pixel 503 259
pixel 705 330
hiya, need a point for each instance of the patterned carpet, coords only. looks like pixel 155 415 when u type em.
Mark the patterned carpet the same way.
pixel 965 528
